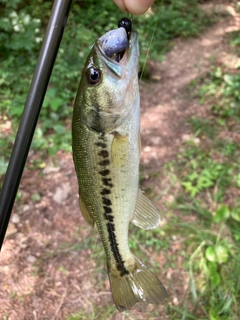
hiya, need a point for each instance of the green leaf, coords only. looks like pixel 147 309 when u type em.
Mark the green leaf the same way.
pixel 193 176
pixel 211 254
pixel 59 128
pixel 3 165
pixel 238 180
pixel 213 315
pixel 235 214
pixel 215 279
pixel 222 214
pixel 221 253
pixel 190 188
pixel 227 305
pixel 204 182
pixel 56 103
pixel 228 79
pixel 218 72
pixel 36 197
pixel 216 253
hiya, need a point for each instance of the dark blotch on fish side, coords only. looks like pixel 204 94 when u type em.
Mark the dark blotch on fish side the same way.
pixel 111 229
pixel 107 209
pixel 114 246
pixel 103 153
pixel 101 144
pixel 105 191
pixel 106 201
pixel 107 182
pixel 109 217
pixel 95 121
pixel 105 162
pixel 101 136
pixel 104 172
pixel 122 269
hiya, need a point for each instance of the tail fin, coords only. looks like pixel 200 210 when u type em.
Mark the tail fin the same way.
pixel 139 286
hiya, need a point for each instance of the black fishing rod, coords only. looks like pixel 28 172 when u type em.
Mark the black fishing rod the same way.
pixel 36 94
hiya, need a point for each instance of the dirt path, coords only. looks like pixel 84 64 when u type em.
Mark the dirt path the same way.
pixel 163 120
pixel 46 255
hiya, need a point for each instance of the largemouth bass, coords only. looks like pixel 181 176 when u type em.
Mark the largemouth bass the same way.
pixel 106 153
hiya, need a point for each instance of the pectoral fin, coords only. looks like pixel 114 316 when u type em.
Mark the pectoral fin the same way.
pixel 85 212
pixel 145 215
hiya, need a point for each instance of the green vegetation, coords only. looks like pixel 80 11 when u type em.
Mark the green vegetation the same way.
pixel 105 313
pixel 21 34
pixel 222 91
pixel 208 170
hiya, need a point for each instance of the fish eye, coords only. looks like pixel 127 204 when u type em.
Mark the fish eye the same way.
pixel 94 75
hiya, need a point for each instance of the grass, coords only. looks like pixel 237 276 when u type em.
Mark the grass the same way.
pixel 208 172
pixel 207 202
pixel 107 313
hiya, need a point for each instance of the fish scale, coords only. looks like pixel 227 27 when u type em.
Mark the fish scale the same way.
pixel 99 183
pixel 106 153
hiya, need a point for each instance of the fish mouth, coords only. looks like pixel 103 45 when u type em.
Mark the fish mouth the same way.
pixel 124 54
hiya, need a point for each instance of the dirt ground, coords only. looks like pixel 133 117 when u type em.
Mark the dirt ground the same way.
pixel 47 270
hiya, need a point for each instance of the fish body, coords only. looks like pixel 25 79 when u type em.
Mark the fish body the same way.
pixel 106 153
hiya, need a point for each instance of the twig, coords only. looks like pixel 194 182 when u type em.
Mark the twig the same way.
pixel 60 304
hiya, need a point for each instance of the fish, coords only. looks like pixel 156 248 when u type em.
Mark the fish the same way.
pixel 106 153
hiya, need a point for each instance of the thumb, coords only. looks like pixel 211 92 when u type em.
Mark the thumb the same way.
pixel 136 7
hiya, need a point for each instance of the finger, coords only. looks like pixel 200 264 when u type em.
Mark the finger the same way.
pixel 121 5
pixel 136 7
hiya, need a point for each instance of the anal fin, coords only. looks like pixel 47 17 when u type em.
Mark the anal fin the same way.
pixel 85 212
pixel 145 214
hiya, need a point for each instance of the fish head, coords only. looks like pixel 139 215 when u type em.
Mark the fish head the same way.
pixel 108 89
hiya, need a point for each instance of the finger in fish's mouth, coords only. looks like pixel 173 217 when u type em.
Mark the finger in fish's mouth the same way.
pixel 115 42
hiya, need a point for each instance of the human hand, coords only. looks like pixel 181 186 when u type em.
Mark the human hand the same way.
pixel 136 7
